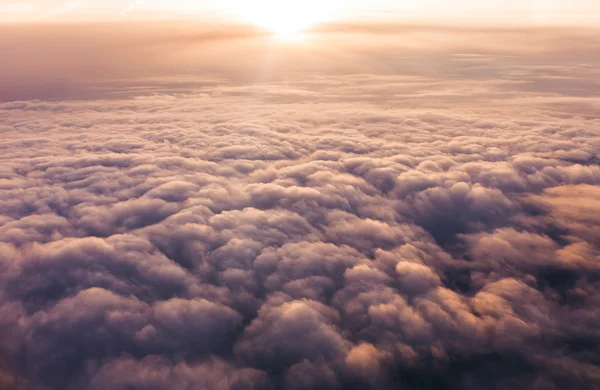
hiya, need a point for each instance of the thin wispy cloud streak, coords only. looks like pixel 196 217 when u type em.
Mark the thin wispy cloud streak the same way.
pixel 132 7
pixel 390 217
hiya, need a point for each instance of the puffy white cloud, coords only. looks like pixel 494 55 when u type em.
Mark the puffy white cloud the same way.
pixel 339 230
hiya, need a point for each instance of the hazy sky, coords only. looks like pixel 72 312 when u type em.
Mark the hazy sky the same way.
pixel 11 10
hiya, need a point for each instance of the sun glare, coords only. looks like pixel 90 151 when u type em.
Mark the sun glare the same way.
pixel 286 18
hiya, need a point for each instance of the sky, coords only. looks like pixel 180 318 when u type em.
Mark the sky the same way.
pixel 271 197
pixel 544 10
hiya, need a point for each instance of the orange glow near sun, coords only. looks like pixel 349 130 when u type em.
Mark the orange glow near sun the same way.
pixel 285 17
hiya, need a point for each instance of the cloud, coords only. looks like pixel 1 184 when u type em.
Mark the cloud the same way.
pixel 332 230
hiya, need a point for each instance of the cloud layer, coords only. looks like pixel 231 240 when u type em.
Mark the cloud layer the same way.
pixel 326 231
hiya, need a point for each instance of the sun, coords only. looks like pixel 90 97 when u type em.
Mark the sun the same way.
pixel 286 17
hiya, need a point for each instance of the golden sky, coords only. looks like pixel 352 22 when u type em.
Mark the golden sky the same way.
pixel 560 10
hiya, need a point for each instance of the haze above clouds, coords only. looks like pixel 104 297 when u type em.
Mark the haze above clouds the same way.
pixel 378 207
pixel 533 11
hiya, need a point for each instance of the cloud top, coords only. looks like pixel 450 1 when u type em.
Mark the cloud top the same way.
pixel 330 231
